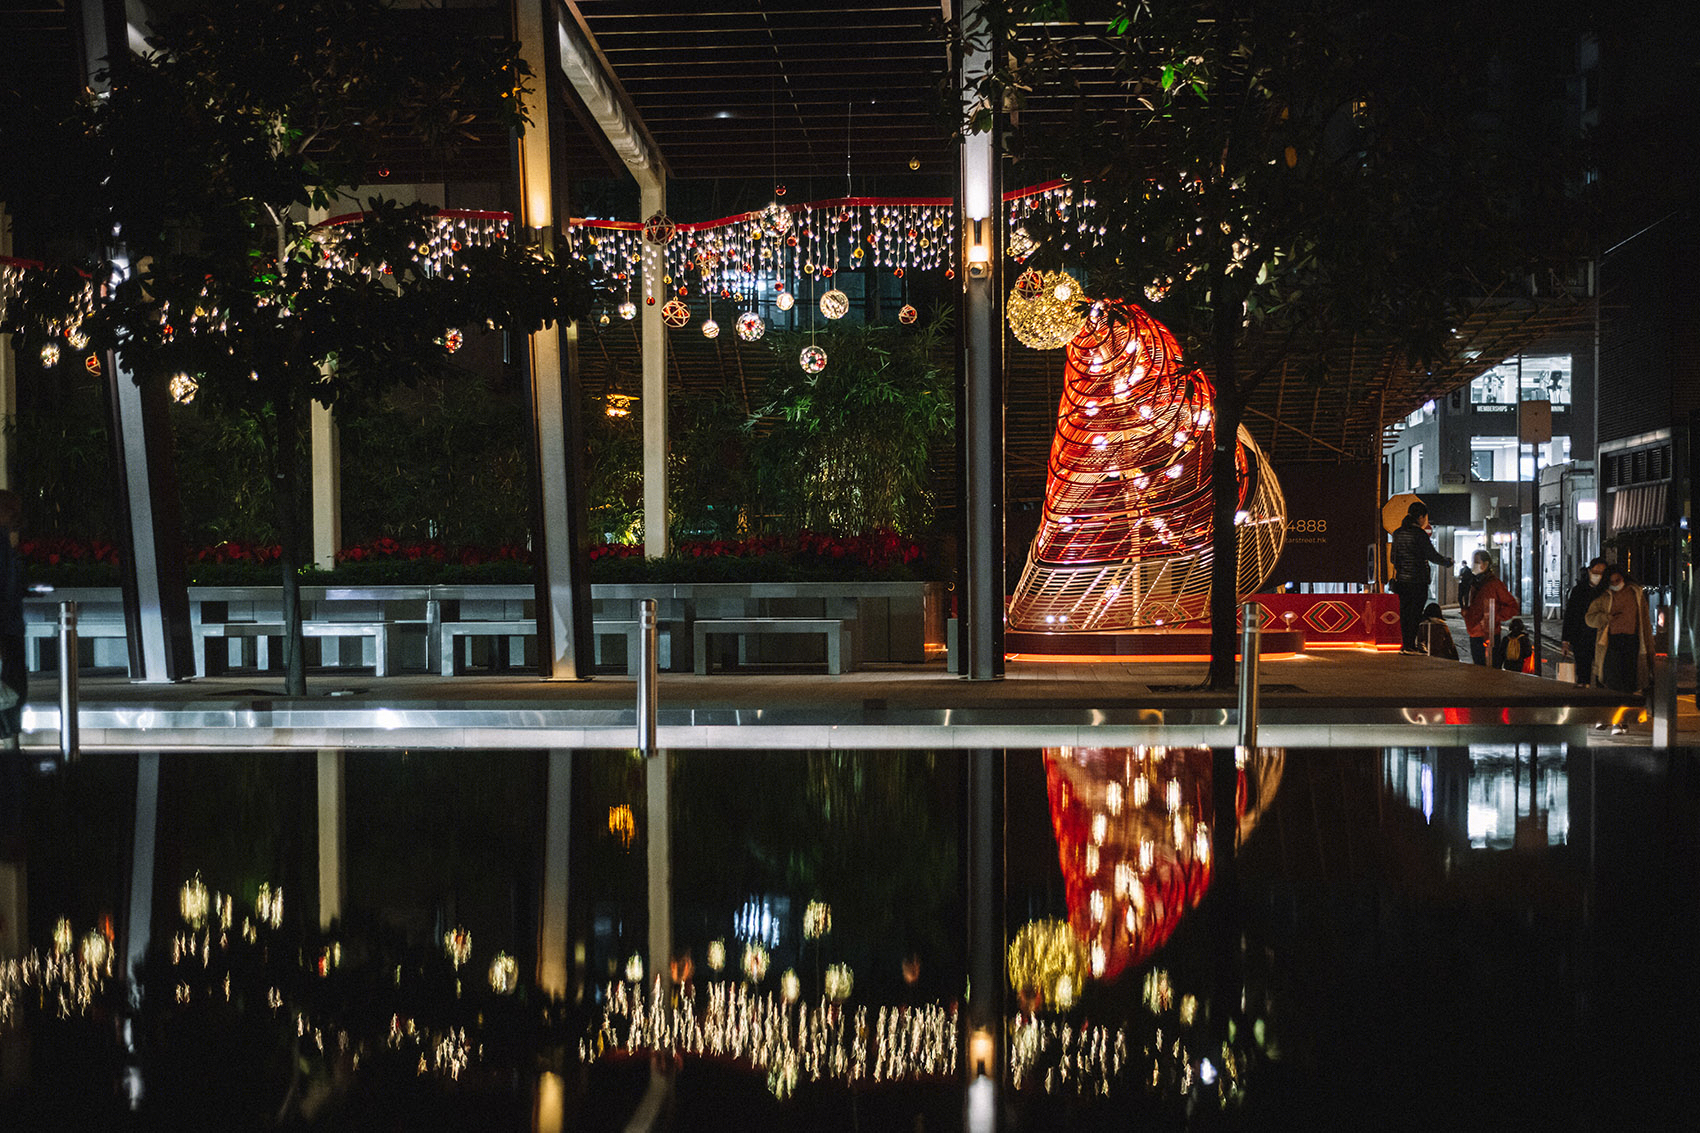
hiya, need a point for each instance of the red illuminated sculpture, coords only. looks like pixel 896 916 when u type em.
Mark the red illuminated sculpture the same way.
pixel 1125 539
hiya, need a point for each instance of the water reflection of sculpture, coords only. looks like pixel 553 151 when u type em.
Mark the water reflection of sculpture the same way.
pixel 1134 840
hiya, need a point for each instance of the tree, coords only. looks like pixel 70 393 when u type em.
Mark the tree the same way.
pixel 846 449
pixel 1276 175
pixel 194 174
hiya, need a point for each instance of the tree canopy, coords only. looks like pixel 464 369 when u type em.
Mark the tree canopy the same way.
pixel 197 172
pixel 1271 175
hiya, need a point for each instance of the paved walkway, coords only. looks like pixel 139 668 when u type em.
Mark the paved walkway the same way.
pixel 1327 698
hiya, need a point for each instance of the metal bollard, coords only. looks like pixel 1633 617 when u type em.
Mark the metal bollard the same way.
pixel 648 692
pixel 67 681
pixel 1252 616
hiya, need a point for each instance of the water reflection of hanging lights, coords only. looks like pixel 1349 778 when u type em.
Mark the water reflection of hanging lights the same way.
pixel 716 955
pixel 620 821
pixel 837 982
pixel 504 974
pixel 755 962
pixel 1047 964
pixel 183 388
pixel 457 943
pixel 817 920
pixel 192 902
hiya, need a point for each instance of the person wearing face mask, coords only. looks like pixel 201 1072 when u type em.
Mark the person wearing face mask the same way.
pixel 1623 647
pixel 1490 606
pixel 1578 639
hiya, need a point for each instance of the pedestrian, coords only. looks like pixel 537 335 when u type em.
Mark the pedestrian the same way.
pixel 1413 551
pixel 1516 652
pixel 1434 635
pixel 1623 641
pixel 1578 639
pixel 14 683
pixel 1490 604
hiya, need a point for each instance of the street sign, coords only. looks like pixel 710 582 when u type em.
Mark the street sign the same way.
pixel 1534 422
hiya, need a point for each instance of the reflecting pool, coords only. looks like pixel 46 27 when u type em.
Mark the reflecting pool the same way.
pixel 1494 937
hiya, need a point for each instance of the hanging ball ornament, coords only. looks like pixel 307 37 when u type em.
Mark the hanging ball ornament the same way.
pixel 835 304
pixel 1022 244
pixel 50 355
pixel 710 329
pixel 1052 316
pixel 914 163
pixel 675 314
pixel 751 326
pixel 628 310
pixel 907 315
pixel 776 219
pixel 779 190
pixel 659 230
pixel 812 359
pixel 785 301
pixel 604 320
pixel 1028 284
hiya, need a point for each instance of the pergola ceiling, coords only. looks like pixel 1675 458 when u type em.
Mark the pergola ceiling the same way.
pixel 754 88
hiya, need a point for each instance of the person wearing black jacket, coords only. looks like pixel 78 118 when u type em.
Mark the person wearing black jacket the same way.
pixel 1413 551
pixel 1578 638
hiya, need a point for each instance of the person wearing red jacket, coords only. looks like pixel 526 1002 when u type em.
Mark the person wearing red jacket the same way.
pixel 1491 605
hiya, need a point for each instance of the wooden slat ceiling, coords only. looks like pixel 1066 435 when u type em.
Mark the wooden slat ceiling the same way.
pixel 755 88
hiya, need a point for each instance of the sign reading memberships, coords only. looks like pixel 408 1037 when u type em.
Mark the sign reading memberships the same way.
pixel 1331 521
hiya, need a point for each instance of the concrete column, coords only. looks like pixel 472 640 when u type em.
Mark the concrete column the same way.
pixel 653 194
pixel 559 547
pixel 327 488
pixel 980 410
pixel 333 836
pixel 139 924
pixel 554 967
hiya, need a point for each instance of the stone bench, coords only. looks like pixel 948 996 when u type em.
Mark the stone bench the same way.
pixel 840 637
pixel 260 634
pixel 631 630
pixel 41 638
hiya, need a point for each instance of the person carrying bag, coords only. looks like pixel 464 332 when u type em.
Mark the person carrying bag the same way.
pixel 1490 604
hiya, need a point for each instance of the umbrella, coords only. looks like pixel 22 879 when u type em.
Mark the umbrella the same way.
pixel 1393 512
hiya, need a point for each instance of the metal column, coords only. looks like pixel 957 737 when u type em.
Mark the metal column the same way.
pixel 653 405
pixel 559 542
pixel 980 411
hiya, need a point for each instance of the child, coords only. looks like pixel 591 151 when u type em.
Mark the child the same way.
pixel 1434 637
pixel 1517 651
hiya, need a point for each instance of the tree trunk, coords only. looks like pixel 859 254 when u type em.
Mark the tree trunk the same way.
pixel 1224 536
pixel 286 480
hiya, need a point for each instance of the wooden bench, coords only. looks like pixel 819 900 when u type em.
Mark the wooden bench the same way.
pixel 631 630
pixel 261 633
pixel 840 637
